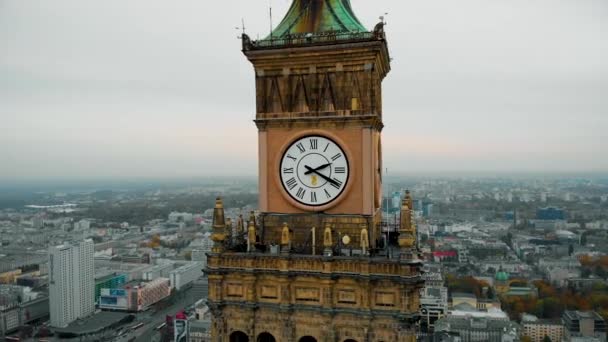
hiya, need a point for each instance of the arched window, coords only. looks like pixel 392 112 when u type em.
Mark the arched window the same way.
pixel 239 336
pixel 266 337
pixel 308 339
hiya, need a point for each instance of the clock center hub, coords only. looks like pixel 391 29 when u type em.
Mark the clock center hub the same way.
pixel 312 179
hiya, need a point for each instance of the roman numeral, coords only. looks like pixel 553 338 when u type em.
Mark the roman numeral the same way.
pixel 337 184
pixel 314 144
pixel 313 197
pixel 291 183
pixel 292 158
pixel 340 169
pixel 336 157
pixel 327 193
pixel 288 170
pixel 301 147
pixel 326 147
pixel 301 193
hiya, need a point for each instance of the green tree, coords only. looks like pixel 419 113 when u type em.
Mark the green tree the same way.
pixel 584 239
pixel 552 308
pixel 491 294
pixel 585 273
pixel 547 339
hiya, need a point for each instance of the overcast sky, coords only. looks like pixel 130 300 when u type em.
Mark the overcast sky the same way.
pixel 148 88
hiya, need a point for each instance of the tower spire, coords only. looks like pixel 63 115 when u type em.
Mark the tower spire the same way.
pixel 219 226
pixel 407 231
pixel 318 16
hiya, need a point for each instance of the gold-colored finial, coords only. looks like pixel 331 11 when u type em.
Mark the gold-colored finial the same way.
pixel 364 239
pixel 407 232
pixel 251 237
pixel 327 237
pixel 285 235
pixel 252 218
pixel 219 226
pixel 219 221
pixel 409 200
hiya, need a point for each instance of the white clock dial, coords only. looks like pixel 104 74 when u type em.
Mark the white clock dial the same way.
pixel 314 170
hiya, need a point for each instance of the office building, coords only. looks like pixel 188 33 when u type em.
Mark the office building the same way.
pixel 584 326
pixel 135 296
pixel 477 328
pixel 433 301
pixel 185 275
pixel 536 329
pixel 109 281
pixel 72 282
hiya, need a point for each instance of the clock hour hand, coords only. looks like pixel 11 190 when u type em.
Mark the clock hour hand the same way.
pixel 317 169
pixel 310 169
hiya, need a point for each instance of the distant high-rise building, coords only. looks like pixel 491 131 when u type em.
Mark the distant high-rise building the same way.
pixel 433 300
pixel 82 225
pixel 72 282
pixel 427 209
pixel 37 222
pixel 418 204
pixel 543 197
pixel 396 200
pixel 185 275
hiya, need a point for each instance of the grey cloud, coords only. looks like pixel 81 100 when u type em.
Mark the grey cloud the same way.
pixel 146 85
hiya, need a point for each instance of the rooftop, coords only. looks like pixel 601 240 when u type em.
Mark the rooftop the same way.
pixel 96 323
pixel 572 315
pixel 492 313
pixel 314 23
pixel 318 16
pixel 463 295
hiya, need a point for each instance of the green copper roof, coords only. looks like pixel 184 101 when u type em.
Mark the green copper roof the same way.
pixel 317 16
pixel 502 276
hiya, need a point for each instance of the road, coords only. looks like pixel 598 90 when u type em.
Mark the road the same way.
pixel 147 333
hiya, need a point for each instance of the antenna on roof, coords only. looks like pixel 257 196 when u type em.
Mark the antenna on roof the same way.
pixel 242 28
pixel 383 18
pixel 270 7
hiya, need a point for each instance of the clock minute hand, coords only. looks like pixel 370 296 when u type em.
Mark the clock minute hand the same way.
pixel 322 175
pixel 317 169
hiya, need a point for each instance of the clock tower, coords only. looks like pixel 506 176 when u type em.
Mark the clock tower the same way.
pixel 314 265
pixel 319 78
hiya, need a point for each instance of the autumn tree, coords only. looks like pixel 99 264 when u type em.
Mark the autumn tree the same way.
pixel 155 241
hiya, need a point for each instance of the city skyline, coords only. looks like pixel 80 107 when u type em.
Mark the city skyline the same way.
pixel 146 89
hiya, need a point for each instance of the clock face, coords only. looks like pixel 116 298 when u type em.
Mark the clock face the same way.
pixel 314 170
